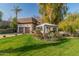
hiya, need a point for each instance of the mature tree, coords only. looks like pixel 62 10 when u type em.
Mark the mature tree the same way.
pixel 70 24
pixel 14 20
pixel 16 10
pixel 42 11
pixel 52 12
pixel 1 14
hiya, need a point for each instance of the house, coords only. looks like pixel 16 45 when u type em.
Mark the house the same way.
pixel 4 23
pixel 5 27
pixel 27 25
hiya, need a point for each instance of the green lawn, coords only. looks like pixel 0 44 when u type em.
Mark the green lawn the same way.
pixel 26 45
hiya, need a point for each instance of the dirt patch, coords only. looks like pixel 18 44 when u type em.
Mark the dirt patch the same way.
pixel 8 35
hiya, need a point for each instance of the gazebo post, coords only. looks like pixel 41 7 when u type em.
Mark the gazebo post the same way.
pixel 44 32
pixel 17 29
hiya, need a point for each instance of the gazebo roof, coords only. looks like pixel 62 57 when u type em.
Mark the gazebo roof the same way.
pixel 47 24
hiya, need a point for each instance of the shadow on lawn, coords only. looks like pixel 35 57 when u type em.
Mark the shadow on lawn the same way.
pixel 33 47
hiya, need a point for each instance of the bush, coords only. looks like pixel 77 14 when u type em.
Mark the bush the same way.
pixel 38 34
pixel 4 26
pixel 4 36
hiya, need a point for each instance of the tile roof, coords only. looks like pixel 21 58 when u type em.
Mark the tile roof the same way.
pixel 27 20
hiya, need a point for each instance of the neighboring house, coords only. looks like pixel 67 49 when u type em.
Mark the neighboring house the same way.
pixel 4 23
pixel 5 27
pixel 27 25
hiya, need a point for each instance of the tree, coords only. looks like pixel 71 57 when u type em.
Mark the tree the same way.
pixel 42 11
pixel 70 24
pixel 13 23
pixel 53 12
pixel 16 10
pixel 1 14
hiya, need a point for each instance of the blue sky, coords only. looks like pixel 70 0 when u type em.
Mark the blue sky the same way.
pixel 29 9
pixel 73 7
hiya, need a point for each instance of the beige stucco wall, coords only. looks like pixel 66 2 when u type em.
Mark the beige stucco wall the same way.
pixel 24 25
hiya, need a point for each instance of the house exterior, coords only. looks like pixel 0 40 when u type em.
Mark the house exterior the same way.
pixel 26 25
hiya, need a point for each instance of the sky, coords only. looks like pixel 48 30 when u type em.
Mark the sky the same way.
pixel 29 9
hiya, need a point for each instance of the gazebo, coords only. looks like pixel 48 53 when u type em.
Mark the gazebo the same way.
pixel 46 28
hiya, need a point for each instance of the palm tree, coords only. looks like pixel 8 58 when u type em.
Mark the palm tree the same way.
pixel 16 10
pixel 14 21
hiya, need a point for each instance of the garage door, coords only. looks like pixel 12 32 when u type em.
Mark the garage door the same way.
pixel 27 29
pixel 20 29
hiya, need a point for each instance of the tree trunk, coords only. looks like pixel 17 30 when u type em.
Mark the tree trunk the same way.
pixel 16 19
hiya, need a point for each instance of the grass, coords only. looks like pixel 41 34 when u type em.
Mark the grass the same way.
pixel 27 45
